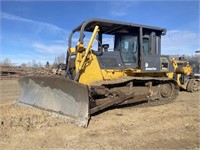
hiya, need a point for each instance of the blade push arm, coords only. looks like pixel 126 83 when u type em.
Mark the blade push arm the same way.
pixel 95 32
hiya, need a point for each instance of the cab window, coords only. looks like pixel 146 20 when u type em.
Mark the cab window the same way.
pixel 146 47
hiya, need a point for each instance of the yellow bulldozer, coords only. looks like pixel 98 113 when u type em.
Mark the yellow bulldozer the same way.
pixel 125 66
pixel 187 74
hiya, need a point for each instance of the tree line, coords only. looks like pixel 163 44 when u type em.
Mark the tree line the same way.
pixel 60 59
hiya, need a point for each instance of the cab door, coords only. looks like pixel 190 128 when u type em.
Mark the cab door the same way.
pixel 151 59
pixel 127 45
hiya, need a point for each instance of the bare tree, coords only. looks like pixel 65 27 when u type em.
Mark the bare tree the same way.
pixel 39 64
pixel 195 57
pixel 47 64
pixel 23 65
pixel 59 59
pixel 7 62
pixel 29 64
pixel 34 64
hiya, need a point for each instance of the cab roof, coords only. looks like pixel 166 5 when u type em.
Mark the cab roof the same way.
pixel 113 27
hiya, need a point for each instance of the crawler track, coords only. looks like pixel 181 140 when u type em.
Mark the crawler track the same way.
pixel 158 90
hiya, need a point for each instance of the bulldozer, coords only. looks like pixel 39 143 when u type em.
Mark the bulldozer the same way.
pixel 98 77
pixel 187 74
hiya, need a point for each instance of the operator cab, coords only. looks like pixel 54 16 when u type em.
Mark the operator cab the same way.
pixel 134 46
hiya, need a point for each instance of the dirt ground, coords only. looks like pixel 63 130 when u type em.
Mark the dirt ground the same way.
pixel 171 126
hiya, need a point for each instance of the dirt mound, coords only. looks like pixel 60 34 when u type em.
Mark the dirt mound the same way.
pixel 26 118
pixel 13 72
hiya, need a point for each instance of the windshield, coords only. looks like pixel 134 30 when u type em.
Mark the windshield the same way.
pixel 195 66
pixel 127 45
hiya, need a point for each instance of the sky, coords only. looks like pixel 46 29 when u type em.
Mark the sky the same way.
pixel 38 30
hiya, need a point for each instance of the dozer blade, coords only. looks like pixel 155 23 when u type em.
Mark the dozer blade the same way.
pixel 58 95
